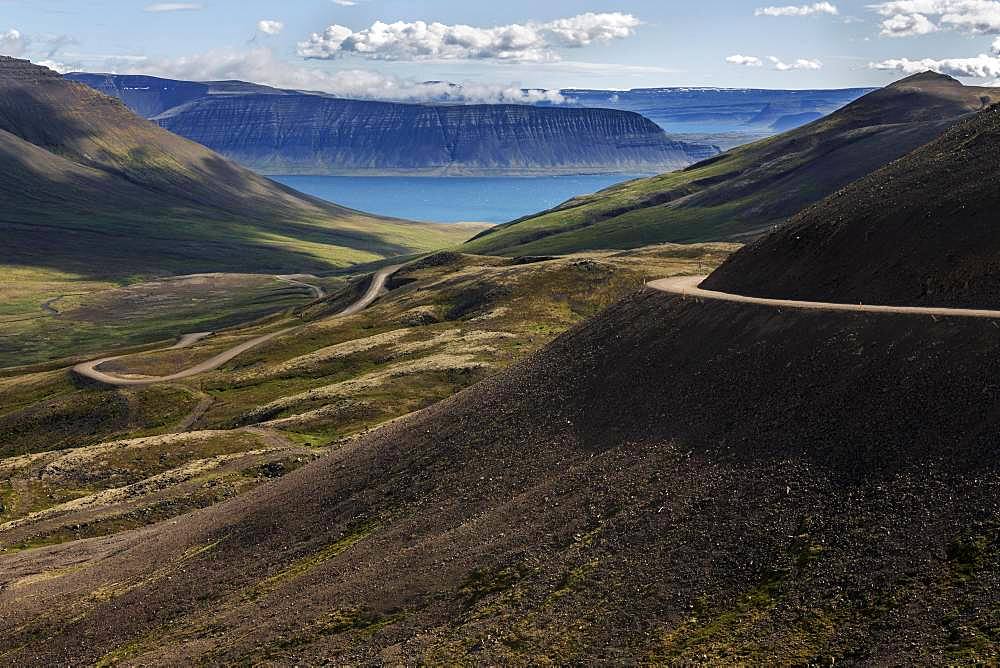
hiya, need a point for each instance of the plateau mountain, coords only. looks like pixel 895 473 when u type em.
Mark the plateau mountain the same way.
pixel 294 132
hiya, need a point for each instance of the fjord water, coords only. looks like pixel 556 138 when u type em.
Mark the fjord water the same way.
pixel 486 199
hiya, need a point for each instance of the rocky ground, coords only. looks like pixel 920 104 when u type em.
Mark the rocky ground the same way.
pixel 674 481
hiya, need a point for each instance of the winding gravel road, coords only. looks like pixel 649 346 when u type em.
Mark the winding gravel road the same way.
pixel 687 286
pixel 91 369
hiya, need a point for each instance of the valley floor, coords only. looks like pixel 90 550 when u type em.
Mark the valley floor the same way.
pixel 89 454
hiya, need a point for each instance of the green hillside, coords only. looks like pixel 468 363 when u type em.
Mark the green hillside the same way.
pixel 745 191
pixel 91 188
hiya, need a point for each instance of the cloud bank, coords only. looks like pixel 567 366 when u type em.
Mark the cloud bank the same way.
pixel 907 18
pixel 982 66
pixel 261 66
pixel 418 40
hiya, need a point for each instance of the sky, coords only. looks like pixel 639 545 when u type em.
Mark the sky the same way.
pixel 389 48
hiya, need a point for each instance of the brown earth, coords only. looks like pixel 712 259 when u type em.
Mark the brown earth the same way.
pixel 920 232
pixel 690 482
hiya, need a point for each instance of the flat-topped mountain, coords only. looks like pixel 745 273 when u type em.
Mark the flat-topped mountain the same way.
pixel 713 110
pixel 924 230
pixel 89 186
pixel 743 193
pixel 292 132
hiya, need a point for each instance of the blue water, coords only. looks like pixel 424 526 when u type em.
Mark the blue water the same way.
pixel 450 199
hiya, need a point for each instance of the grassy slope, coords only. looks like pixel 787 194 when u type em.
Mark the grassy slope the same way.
pixel 46 315
pixel 95 190
pixel 750 188
pixel 450 321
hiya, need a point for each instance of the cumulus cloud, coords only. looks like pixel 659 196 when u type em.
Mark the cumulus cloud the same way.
pixel 776 63
pixel 159 7
pixel 798 64
pixel 907 25
pixel 746 61
pixel 269 27
pixel 982 66
pixel 418 40
pixel 799 10
pixel 13 43
pixel 918 17
pixel 261 66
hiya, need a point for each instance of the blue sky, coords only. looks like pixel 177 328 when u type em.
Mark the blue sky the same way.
pixel 384 48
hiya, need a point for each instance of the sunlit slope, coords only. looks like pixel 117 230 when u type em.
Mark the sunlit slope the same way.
pixel 88 186
pixel 743 192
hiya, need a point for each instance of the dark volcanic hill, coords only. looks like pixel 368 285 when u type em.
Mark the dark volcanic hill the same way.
pixel 675 481
pixel 936 211
pixel 89 186
pixel 293 132
pixel 744 192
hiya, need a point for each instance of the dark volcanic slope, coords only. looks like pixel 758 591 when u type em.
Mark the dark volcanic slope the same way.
pixel 292 132
pixel 745 191
pixel 675 481
pixel 89 186
pixel 922 231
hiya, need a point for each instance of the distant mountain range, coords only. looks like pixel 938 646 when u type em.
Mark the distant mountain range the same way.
pixel 721 110
pixel 293 132
pixel 740 194
pixel 91 188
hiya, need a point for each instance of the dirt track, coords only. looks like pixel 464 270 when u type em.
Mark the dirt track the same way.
pixel 91 369
pixel 688 287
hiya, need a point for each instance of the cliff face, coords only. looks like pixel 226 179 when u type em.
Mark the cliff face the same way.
pixel 288 132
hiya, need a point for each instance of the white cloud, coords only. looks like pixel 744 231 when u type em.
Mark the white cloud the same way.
pixel 799 10
pixel 269 27
pixel 980 67
pixel 260 66
pixel 61 68
pixel 13 43
pixel 418 40
pixel 798 64
pixel 172 7
pixel 971 16
pixel 907 25
pixel 345 3
pixel 746 61
pixel 995 49
pixel 776 63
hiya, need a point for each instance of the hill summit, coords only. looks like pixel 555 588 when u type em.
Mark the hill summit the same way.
pixel 922 231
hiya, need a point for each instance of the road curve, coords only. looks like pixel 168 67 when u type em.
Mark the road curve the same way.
pixel 90 369
pixel 318 291
pixel 687 286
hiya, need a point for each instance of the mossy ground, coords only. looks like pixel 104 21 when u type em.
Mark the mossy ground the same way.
pixel 449 321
